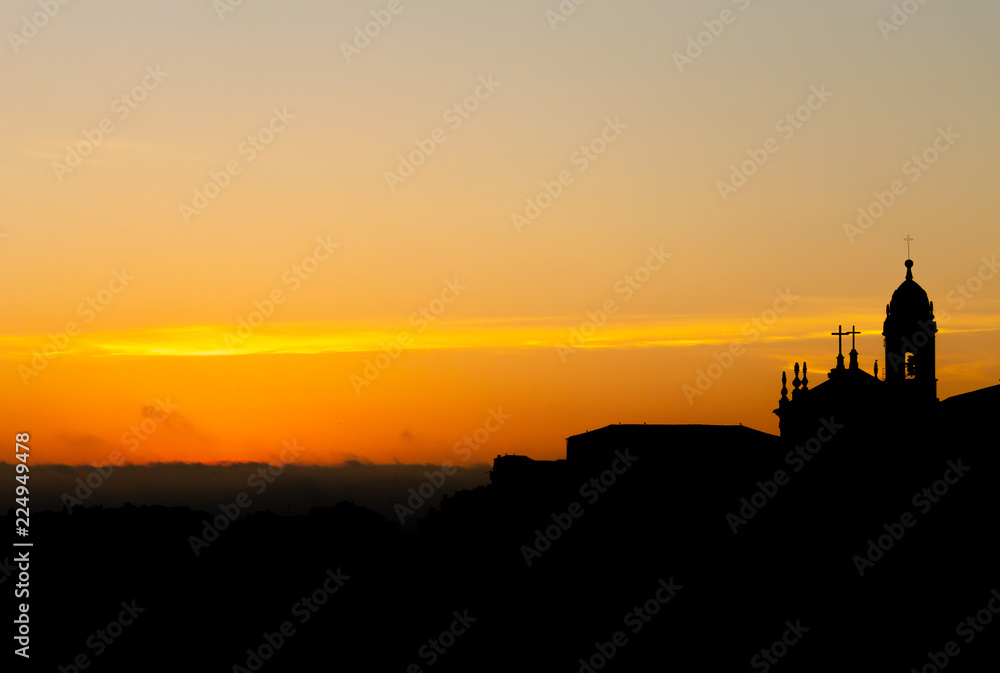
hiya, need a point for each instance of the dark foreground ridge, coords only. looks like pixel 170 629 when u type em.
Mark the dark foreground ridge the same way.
pixel 862 554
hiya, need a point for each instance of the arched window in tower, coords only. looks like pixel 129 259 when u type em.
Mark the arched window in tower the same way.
pixel 911 365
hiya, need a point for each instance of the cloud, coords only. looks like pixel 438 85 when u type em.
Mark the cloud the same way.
pixel 199 486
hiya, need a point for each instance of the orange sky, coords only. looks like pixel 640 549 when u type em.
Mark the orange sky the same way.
pixel 245 238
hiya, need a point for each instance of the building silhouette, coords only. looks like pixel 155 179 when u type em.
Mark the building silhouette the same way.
pixel 903 400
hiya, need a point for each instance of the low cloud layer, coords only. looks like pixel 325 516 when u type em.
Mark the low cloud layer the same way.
pixel 291 489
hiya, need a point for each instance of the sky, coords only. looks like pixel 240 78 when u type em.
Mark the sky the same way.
pixel 409 231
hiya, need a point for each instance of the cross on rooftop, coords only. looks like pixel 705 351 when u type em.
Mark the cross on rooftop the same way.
pixel 840 334
pixel 908 239
pixel 852 333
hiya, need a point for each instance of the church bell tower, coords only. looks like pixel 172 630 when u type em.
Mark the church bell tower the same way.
pixel 909 331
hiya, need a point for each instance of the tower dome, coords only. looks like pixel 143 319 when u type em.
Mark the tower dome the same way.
pixel 909 300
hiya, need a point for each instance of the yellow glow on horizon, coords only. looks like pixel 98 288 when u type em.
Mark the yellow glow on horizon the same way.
pixel 519 333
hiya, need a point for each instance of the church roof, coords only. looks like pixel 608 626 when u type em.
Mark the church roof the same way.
pixel 990 393
pixel 674 432
pixel 684 447
pixel 846 382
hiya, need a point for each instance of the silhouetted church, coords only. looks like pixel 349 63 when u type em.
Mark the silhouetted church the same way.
pixel 904 399
pixel 907 394
pixel 871 518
